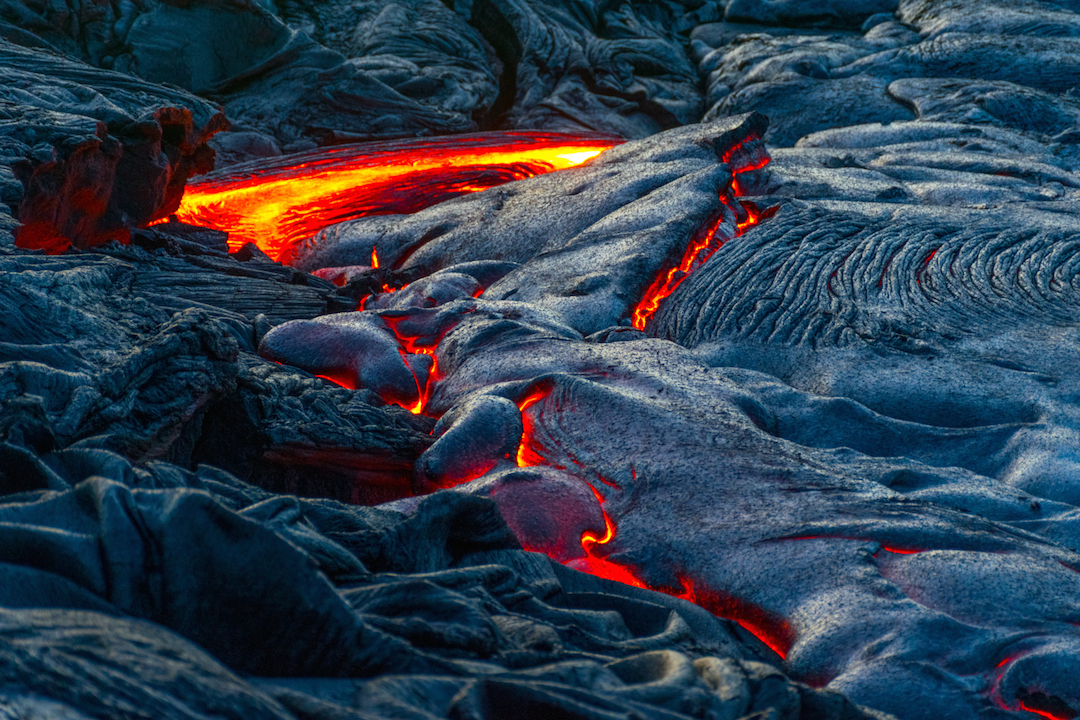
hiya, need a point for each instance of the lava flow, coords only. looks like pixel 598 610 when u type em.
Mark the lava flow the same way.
pixel 773 630
pixel 602 567
pixel 425 377
pixel 700 249
pixel 528 455
pixel 278 202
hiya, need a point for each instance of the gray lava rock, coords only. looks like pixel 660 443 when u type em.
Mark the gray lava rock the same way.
pixel 667 188
pixel 879 376
pixel 472 439
pixel 806 12
pixel 302 74
pixel 851 430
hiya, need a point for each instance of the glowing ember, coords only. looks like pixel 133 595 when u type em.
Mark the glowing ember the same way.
pixel 279 202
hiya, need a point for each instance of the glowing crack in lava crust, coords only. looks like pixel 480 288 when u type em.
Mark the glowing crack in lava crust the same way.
pixel 529 454
pixel 700 248
pixel 773 631
pixel 278 202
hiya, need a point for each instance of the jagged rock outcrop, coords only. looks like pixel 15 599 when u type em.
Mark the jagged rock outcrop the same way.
pixel 87 154
pixel 304 74
pixel 105 352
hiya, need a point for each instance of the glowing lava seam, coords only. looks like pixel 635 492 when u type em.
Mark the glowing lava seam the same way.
pixel 772 630
pixel 278 202
pixel 700 249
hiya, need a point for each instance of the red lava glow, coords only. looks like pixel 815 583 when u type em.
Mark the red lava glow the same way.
pixel 40 235
pixel 410 346
pixel 608 570
pixel 602 567
pixel 735 186
pixel 925 264
pixel 345 380
pixel 281 201
pixel 881 546
pixel 385 286
pixel 1037 702
pixel 699 250
pixel 527 456
pixel 771 629
pixel 1045 713
pixel 901 551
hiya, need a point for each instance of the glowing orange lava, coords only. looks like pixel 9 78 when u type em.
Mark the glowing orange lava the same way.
pixel 375 266
pixel 602 567
pixel 280 201
pixel 527 456
pixel 701 248
pixel 410 346
pixel 901 551
pixel 698 251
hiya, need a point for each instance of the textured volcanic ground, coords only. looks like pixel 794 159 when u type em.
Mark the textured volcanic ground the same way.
pixel 490 359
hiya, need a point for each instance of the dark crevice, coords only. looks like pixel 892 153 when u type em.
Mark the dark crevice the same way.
pixel 500 34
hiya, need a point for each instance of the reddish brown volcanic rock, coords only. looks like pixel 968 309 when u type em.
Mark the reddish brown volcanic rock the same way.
pixel 95 152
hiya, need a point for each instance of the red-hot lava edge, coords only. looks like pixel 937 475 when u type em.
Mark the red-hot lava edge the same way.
pixel 771 629
pixel 768 627
pixel 702 246
pixel 276 203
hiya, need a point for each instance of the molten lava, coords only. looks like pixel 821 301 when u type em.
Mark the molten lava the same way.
pixel 900 551
pixel 410 345
pixel 771 629
pixel 527 454
pixel 280 201
pixel 1061 714
pixel 698 251
pixel 602 567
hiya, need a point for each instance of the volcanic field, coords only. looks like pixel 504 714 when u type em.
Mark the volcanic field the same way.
pixel 539 359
